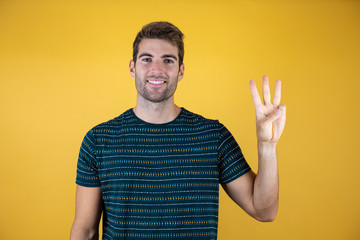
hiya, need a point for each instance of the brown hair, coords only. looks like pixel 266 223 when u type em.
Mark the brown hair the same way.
pixel 160 30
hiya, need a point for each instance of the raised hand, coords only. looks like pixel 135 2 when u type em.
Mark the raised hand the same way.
pixel 270 117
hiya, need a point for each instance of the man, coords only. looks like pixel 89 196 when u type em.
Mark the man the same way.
pixel 154 171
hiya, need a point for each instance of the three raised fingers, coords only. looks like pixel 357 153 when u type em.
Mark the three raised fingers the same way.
pixel 266 92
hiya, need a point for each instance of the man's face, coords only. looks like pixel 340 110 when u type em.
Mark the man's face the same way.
pixel 156 72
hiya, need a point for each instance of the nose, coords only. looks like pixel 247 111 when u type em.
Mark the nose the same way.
pixel 156 66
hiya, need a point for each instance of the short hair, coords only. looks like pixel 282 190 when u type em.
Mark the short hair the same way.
pixel 160 30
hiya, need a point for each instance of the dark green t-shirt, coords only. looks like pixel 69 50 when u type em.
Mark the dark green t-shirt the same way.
pixel 159 181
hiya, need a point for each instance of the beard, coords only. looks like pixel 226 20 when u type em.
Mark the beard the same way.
pixel 155 95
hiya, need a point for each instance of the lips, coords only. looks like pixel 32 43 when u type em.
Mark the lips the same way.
pixel 156 82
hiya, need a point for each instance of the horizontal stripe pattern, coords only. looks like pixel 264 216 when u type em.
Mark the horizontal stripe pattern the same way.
pixel 159 181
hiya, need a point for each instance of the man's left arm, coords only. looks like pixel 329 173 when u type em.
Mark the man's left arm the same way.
pixel 258 194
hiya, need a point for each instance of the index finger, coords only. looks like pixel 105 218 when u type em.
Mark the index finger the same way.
pixel 255 94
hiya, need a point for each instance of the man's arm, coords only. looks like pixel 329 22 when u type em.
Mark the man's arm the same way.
pixel 258 194
pixel 88 208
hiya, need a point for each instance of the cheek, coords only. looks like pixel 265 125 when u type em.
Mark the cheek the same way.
pixel 139 72
pixel 143 69
pixel 171 71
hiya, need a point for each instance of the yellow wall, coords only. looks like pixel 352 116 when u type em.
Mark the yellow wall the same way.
pixel 64 69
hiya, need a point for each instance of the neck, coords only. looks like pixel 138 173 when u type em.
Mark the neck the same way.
pixel 157 113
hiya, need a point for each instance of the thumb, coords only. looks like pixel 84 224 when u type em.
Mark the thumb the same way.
pixel 274 115
pixel 282 108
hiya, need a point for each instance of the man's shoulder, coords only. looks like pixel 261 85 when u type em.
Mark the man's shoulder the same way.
pixel 112 124
pixel 197 118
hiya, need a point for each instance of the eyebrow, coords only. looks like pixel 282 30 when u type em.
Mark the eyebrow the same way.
pixel 145 55
pixel 163 56
pixel 169 56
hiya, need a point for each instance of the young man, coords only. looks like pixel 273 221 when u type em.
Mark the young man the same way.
pixel 154 171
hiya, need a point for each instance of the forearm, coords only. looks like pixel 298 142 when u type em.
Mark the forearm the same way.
pixel 266 185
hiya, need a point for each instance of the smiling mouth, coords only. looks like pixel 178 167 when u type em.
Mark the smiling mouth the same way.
pixel 156 82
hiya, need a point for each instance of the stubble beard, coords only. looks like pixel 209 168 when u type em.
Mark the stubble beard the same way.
pixel 158 96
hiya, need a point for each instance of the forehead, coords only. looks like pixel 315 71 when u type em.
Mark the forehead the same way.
pixel 157 47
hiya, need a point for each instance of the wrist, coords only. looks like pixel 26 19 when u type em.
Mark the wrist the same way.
pixel 266 144
pixel 266 148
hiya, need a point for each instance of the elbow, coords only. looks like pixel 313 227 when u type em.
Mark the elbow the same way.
pixel 266 216
pixel 78 232
pixel 269 218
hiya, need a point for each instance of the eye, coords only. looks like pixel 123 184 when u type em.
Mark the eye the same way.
pixel 166 60
pixel 146 59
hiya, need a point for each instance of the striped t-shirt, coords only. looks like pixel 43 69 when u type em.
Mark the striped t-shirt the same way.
pixel 159 181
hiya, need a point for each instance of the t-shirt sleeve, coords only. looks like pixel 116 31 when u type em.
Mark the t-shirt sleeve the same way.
pixel 87 170
pixel 231 161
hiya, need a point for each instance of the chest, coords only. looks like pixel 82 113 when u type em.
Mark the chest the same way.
pixel 157 160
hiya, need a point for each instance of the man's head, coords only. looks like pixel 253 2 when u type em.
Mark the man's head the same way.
pixel 160 30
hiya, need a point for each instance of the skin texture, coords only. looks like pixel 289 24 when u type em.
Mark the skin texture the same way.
pixel 157 60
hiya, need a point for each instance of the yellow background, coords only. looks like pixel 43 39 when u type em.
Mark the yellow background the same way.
pixel 64 69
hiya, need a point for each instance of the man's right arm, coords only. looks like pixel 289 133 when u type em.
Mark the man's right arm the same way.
pixel 88 208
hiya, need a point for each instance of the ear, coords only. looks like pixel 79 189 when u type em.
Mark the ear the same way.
pixel 181 72
pixel 132 68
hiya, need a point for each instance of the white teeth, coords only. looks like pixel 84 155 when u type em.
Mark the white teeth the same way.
pixel 156 82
